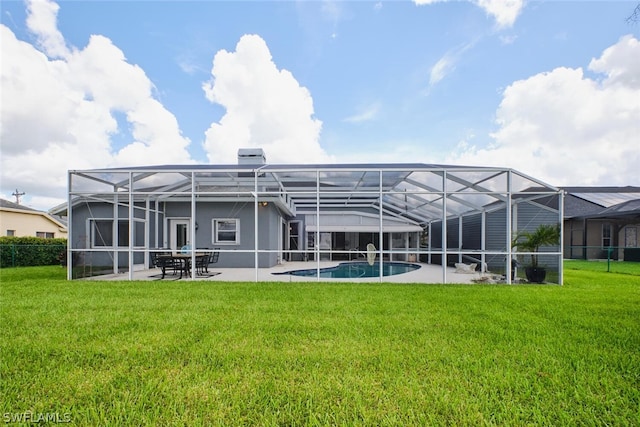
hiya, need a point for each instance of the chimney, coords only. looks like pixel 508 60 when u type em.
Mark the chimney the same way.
pixel 251 156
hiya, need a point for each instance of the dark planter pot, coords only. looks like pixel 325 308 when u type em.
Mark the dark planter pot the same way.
pixel 535 274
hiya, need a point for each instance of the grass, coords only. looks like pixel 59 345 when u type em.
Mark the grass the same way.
pixel 205 353
pixel 604 266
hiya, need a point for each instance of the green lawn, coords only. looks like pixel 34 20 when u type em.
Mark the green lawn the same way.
pixel 604 266
pixel 213 353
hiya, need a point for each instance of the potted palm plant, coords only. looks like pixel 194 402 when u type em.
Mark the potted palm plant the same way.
pixel 531 241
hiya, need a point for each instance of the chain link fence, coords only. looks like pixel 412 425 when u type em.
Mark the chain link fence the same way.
pixel 613 259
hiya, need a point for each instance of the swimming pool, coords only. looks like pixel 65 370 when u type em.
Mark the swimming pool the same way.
pixel 354 270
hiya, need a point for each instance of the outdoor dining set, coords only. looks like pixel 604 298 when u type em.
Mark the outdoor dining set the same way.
pixel 180 262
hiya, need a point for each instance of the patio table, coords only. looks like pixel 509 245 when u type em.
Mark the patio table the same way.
pixel 183 259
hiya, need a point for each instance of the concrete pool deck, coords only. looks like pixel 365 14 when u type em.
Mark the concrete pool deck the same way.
pixel 428 273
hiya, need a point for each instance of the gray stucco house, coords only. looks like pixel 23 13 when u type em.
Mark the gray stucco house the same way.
pixel 258 215
pixel 602 222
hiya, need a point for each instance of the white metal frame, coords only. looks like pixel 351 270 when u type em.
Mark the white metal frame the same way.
pixel 418 194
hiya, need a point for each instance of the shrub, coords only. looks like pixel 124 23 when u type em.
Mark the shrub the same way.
pixel 30 251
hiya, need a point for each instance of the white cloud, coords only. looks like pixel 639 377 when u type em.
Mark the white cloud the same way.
pixel 368 113
pixel 58 106
pixel 265 107
pixel 505 12
pixel 447 64
pixel 423 2
pixel 567 129
pixel 444 66
pixel 621 63
pixel 42 22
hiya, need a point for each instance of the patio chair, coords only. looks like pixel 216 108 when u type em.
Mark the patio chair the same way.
pixel 201 263
pixel 214 256
pixel 210 258
pixel 165 263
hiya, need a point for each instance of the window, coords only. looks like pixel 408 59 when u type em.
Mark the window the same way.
pixel 44 234
pixel 631 237
pixel 102 233
pixel 226 231
pixel 606 235
pixel 11 232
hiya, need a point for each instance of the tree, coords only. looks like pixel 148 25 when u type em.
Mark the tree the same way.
pixel 530 241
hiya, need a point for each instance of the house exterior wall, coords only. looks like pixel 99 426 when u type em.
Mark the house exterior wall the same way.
pixel 234 255
pixel 630 243
pixel 104 258
pixel 28 224
pixel 574 247
pixel 349 233
pixel 268 239
pixel 577 247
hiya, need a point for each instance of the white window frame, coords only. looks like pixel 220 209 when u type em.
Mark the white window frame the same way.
pixel 214 231
pixel 92 237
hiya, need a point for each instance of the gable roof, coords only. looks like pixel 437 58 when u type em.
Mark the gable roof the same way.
pixel 605 196
pixel 629 210
pixel 9 206
pixel 601 202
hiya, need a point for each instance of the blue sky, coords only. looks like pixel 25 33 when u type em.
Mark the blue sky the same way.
pixel 550 88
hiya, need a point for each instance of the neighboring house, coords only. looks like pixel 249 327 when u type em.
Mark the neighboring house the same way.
pixel 602 222
pixel 21 221
pixel 259 215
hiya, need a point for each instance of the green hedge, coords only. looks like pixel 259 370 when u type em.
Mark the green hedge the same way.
pixel 30 251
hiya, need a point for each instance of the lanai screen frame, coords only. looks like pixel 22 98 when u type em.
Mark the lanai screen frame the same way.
pixel 421 194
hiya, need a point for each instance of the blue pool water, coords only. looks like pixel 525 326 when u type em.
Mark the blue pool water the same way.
pixel 353 270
